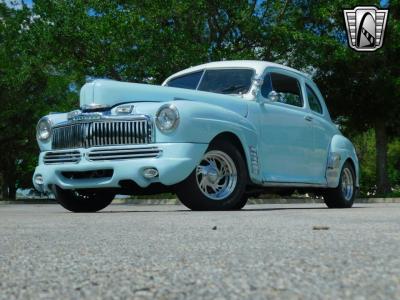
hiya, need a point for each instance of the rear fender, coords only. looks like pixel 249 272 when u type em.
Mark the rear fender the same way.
pixel 340 150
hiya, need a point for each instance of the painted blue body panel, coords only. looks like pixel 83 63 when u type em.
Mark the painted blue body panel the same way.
pixel 280 147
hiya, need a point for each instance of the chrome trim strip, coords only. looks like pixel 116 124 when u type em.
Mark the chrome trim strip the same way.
pixel 123 153
pixel 293 184
pixel 60 157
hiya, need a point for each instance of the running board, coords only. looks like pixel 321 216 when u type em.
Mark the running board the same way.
pixel 293 184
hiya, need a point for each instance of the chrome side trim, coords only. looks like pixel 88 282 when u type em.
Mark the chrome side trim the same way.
pixel 293 184
pixel 61 157
pixel 123 153
pixel 255 166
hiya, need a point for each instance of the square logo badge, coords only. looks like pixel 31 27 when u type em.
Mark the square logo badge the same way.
pixel 365 27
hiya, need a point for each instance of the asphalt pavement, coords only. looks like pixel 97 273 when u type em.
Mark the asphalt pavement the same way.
pixel 286 251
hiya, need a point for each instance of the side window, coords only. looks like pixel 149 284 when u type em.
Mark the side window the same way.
pixel 288 89
pixel 313 101
pixel 266 87
pixel 189 81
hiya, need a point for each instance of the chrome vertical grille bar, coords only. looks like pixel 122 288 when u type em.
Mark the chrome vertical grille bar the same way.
pixel 130 133
pixel 107 135
pixel 124 133
pixel 140 132
pixel 102 129
pixel 97 134
pixel 102 133
pixel 143 132
pixel 135 132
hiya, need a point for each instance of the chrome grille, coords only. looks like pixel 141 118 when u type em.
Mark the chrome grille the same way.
pixel 123 153
pixel 61 157
pixel 102 133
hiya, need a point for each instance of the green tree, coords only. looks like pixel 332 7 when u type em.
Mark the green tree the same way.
pixel 29 88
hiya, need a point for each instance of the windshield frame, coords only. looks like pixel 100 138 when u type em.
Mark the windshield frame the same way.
pixel 213 69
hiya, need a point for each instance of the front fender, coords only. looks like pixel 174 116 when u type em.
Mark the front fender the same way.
pixel 201 122
pixel 340 150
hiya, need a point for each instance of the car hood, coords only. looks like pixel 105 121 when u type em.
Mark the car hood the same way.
pixel 110 93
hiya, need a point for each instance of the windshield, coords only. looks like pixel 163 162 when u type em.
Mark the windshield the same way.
pixel 221 81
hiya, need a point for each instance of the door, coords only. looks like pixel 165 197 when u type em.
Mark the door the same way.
pixel 323 132
pixel 286 132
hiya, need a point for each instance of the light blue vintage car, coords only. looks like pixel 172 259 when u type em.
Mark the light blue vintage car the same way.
pixel 214 134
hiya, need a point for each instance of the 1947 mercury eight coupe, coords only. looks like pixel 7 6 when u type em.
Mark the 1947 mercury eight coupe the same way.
pixel 214 134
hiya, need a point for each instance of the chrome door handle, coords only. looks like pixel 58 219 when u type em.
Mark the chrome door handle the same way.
pixel 308 118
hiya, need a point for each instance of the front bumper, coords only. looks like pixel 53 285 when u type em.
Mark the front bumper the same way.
pixel 175 162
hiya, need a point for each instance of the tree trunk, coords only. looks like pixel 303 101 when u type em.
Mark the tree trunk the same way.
pixel 8 189
pixel 382 178
pixel 12 191
pixel 4 191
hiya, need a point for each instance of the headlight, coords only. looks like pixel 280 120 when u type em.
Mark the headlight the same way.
pixel 167 118
pixel 43 130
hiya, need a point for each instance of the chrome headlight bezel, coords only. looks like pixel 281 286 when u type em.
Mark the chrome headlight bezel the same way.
pixel 172 112
pixel 44 123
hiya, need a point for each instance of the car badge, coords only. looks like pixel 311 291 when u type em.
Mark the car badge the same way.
pixel 365 27
pixel 87 117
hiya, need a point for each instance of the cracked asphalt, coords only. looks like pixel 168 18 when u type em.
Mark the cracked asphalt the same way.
pixel 300 251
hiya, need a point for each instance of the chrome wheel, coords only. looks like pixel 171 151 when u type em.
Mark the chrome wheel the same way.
pixel 216 175
pixel 347 184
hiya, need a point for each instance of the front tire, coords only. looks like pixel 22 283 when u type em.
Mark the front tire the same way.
pixel 83 201
pixel 218 182
pixel 342 196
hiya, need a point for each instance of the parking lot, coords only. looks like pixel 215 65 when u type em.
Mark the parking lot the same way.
pixel 280 251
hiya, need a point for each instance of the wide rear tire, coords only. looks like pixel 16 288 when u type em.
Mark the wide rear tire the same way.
pixel 218 182
pixel 83 201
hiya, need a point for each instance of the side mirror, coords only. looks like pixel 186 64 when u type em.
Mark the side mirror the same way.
pixel 273 96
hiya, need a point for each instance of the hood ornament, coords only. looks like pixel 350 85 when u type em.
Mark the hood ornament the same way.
pixel 94 106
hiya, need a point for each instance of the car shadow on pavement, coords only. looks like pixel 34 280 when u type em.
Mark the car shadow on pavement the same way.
pixel 232 211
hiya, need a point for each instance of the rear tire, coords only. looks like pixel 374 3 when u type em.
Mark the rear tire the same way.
pixel 242 203
pixel 83 200
pixel 218 182
pixel 344 194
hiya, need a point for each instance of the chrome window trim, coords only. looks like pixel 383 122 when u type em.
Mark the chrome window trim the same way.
pixel 216 68
pixel 186 74
pixel 306 85
pixel 300 79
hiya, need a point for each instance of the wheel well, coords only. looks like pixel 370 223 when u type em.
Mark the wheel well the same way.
pixel 232 138
pixel 352 165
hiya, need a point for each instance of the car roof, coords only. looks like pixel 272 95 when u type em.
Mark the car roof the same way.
pixel 258 65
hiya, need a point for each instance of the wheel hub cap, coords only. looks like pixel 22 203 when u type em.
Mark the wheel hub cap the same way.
pixel 216 175
pixel 347 184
